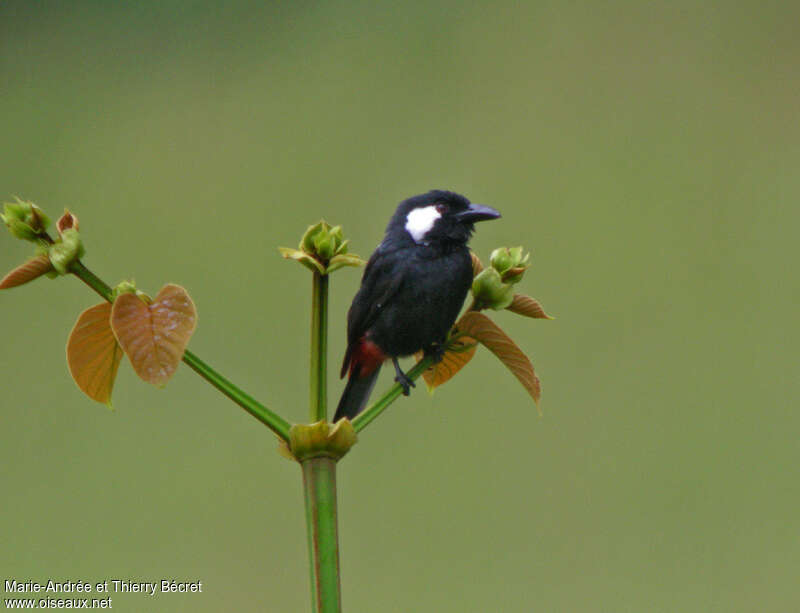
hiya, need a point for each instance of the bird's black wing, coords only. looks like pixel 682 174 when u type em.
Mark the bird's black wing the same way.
pixel 383 277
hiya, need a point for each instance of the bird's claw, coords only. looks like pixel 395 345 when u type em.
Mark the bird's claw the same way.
pixel 436 352
pixel 405 382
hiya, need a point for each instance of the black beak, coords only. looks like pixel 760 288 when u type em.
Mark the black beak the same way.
pixel 477 212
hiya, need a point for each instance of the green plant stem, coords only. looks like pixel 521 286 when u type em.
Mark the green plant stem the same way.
pixel 272 420
pixel 365 418
pixel 319 473
pixel 319 484
pixel 319 348
pixel 92 280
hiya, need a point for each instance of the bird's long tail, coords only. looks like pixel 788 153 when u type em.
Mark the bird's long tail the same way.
pixel 356 393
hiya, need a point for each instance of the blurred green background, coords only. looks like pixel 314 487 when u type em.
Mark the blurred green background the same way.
pixel 646 152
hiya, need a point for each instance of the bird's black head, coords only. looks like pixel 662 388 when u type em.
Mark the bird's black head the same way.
pixel 438 217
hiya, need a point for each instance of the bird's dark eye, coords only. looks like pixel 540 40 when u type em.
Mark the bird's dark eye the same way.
pixel 441 208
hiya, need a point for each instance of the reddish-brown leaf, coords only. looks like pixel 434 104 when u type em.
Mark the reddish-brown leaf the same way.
pixel 454 359
pixel 530 307
pixel 477 265
pixel 154 336
pixel 30 270
pixel 93 354
pixel 485 331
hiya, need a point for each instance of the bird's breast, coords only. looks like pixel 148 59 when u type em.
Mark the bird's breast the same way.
pixel 429 297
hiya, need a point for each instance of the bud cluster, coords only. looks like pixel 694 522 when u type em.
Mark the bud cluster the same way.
pixel 68 247
pixel 25 220
pixel 493 287
pixel 28 222
pixel 322 249
pixel 324 242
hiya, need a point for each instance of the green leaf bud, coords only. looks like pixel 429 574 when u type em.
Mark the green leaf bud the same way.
pixel 342 248
pixel 322 249
pixel 20 230
pixel 24 219
pixel 66 251
pixel 307 242
pixel 336 233
pixel 324 246
pixel 489 290
pixel 124 287
pixel 501 259
pixel 511 263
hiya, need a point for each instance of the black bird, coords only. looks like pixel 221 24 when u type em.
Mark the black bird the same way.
pixel 411 292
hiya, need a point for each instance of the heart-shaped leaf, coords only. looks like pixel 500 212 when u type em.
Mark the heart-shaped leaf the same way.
pixel 30 270
pixel 154 336
pixel 485 331
pixel 455 358
pixel 530 307
pixel 93 354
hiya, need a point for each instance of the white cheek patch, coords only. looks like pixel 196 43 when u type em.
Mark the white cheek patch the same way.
pixel 420 221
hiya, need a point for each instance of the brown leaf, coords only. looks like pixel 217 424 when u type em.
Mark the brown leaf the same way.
pixel 30 270
pixel 477 265
pixel 154 336
pixel 93 354
pixel 484 330
pixel 454 359
pixel 530 307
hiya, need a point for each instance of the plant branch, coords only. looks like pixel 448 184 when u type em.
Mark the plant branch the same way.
pixel 272 420
pixel 318 387
pixel 365 418
pixel 92 280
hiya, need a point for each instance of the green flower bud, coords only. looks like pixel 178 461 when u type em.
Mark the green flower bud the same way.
pixel 20 229
pixel 322 249
pixel 16 210
pixel 25 220
pixel 307 242
pixel 66 251
pixel 489 290
pixel 510 263
pixel 324 245
pixel 342 248
pixel 336 233
pixel 323 241
pixel 500 259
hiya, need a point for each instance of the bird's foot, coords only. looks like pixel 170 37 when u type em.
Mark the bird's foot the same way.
pixel 405 383
pixel 435 351
pixel 403 379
